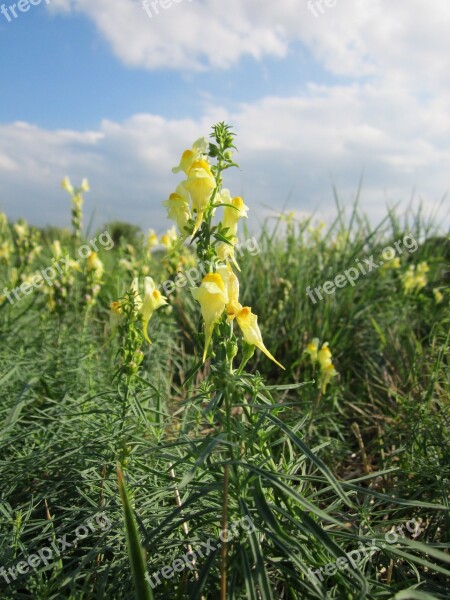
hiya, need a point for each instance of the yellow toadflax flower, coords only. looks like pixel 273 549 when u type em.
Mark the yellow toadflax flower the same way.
pixel 232 286
pixel 66 185
pixel 248 322
pixel 200 184
pixel 231 216
pixel 178 208
pixel 169 238
pixel 199 148
pixel 152 238
pixel 212 296
pixel 312 349
pixel 327 373
pixel 438 295
pixel 56 249
pixel 324 356
pixel 153 299
pixel 95 265
pixel 415 277
pixel 115 314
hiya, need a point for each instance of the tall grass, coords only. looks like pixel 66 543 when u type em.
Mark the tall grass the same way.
pixel 315 473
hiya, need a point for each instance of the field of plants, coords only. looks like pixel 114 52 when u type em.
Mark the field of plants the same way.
pixel 224 411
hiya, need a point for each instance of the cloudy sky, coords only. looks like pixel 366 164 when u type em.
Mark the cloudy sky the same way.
pixel 320 93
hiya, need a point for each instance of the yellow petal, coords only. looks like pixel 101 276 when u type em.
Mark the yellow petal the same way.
pixel 248 322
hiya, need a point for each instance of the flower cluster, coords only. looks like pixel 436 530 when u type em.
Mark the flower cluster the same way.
pixel 192 205
pixel 94 275
pixel 217 294
pixel 323 357
pixel 142 309
pixel 415 278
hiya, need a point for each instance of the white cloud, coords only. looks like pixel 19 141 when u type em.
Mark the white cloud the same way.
pixel 396 42
pixel 299 145
pixel 390 119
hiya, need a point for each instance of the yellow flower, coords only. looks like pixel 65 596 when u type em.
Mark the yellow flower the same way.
pixel 152 239
pixel 85 186
pixel 169 238
pixel 415 279
pixel 178 208
pixel 312 349
pixel 324 356
pixel 5 252
pixel 232 286
pixel 226 252
pixel 66 185
pixel 153 299
pixel 200 184
pixel 327 373
pixel 94 264
pixel 212 296
pixel 231 216
pixel 394 263
pixel 422 268
pixel 199 148
pixel 56 249
pixel 21 230
pixel 438 296
pixel 115 314
pixel 73 264
pixel 248 322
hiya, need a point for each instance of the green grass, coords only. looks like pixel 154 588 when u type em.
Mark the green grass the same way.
pixel 316 473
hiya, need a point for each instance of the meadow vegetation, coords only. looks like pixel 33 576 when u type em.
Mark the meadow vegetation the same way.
pixel 155 410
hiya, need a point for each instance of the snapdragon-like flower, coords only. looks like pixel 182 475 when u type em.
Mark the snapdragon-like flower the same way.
pixel 76 193
pixel 200 184
pixel 438 295
pixel 415 277
pixel 152 239
pixel 312 349
pixel 231 216
pixel 323 357
pixel 56 249
pixel 5 252
pixel 248 322
pixel 212 297
pixel 178 208
pixel 232 286
pixel 169 238
pixel 115 314
pixel 153 299
pixel 95 265
pixel 327 373
pixel 199 149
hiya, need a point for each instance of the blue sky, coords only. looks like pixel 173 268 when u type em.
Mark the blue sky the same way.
pixel 316 98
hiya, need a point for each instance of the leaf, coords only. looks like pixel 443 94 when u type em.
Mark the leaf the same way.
pixel 135 551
